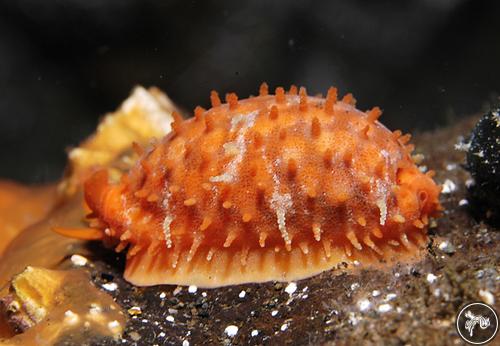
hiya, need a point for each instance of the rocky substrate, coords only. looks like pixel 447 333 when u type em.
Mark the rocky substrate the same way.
pixel 411 304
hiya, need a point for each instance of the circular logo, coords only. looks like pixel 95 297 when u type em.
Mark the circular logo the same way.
pixel 477 323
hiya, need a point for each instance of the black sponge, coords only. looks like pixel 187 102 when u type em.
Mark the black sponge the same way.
pixel 483 162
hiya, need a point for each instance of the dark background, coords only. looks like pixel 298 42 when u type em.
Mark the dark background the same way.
pixel 63 64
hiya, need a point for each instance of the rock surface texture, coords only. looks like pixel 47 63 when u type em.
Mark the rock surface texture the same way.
pixel 406 304
pixel 414 304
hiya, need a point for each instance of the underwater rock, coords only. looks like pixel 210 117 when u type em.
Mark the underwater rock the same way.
pixel 408 304
pixel 43 304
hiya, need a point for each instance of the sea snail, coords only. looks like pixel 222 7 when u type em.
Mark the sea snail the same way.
pixel 273 187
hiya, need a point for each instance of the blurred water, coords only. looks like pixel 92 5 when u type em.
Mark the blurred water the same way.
pixel 63 64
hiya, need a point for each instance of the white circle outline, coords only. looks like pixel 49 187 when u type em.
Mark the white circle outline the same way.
pixel 458 318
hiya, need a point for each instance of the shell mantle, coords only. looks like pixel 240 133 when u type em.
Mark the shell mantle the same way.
pixel 273 187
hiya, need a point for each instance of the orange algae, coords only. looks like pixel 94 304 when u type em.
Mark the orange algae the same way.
pixel 21 206
pixel 273 187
